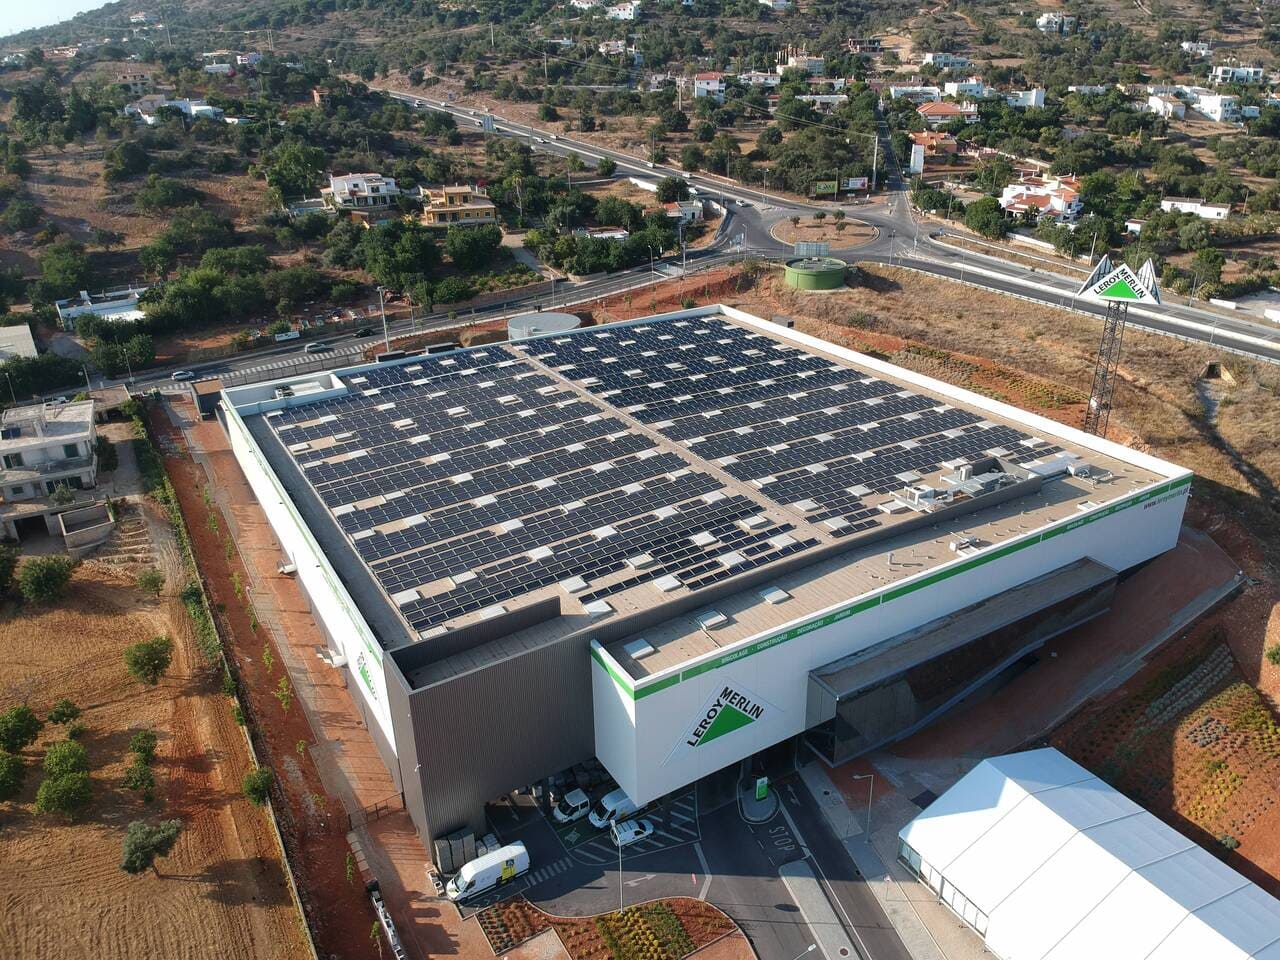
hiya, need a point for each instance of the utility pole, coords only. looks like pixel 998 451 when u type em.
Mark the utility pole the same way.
pixel 490 36
pixel 875 156
pixel 382 308
pixel 544 68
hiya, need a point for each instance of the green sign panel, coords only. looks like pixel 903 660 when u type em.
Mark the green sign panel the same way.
pixel 762 788
pixel 823 186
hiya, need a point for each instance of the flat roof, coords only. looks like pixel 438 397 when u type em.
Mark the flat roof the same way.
pixel 16 341
pixel 41 424
pixel 665 463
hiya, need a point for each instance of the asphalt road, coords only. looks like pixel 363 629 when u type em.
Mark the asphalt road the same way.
pixel 901 240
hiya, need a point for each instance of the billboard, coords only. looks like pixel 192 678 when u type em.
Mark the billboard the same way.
pixel 854 183
pixel 1121 284
pixel 823 186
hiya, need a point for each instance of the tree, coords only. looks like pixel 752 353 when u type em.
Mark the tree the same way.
pixel 985 217
pixel 139 777
pixel 1207 264
pixel 143 843
pixel 671 189
pixel 65 757
pixel 606 167
pixel 13 774
pixel 294 169
pixel 64 711
pixel 691 157
pixel 151 581
pixel 257 786
pixel 45 579
pixel 9 554
pixel 143 745
pixel 470 248
pixel 147 660
pixel 64 270
pixel 66 795
pixel 19 727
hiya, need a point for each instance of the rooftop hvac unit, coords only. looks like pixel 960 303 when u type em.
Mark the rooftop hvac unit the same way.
pixel 960 544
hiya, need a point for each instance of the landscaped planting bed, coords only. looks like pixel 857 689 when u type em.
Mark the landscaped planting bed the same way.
pixel 660 930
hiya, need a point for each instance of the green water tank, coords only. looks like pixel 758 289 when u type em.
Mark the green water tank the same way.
pixel 816 273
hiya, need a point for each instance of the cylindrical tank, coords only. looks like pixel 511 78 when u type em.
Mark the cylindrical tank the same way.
pixel 816 273
pixel 535 324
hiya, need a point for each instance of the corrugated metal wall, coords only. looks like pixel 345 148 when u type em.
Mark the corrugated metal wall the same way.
pixel 483 734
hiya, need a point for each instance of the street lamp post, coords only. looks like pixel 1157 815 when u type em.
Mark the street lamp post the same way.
pixel 382 308
pixel 620 887
pixel 871 788
pixel 806 951
pixel 12 394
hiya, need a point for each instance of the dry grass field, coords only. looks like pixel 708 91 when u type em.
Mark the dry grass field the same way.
pixel 221 895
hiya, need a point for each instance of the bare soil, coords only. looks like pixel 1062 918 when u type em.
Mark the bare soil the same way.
pixel 851 233
pixel 222 893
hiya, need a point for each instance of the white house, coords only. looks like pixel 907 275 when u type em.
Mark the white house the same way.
pixel 1055 22
pixel 220 69
pixel 1196 49
pixel 939 112
pixel 1023 99
pixel 584 4
pixel 824 102
pixel 44 446
pixel 147 108
pixel 1055 197
pixel 1088 88
pixel 1170 108
pixel 777 6
pixel 946 61
pixel 1225 74
pixel 612 48
pixel 686 211
pixel 798 58
pixel 1222 107
pixel 114 305
pixel 361 193
pixel 623 11
pixel 973 87
pixel 915 94
pixel 759 78
pixel 709 84
pixel 1203 210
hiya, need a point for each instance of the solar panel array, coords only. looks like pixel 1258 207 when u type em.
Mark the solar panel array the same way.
pixel 471 479
pixel 818 437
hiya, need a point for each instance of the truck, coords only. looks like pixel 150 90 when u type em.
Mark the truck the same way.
pixel 485 873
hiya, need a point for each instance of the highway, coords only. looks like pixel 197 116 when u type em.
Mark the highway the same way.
pixel 902 239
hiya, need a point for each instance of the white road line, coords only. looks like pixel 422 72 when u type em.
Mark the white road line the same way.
pixel 706 870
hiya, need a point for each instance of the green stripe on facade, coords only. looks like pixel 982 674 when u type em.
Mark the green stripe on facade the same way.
pixel 885 597
pixel 619 677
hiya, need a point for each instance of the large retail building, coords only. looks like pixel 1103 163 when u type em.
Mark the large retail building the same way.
pixel 674 543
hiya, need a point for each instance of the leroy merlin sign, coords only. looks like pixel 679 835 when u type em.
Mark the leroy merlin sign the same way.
pixel 728 711
pixel 1121 284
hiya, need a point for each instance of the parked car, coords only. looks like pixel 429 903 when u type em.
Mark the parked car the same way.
pixel 182 375
pixel 627 832
pixel 574 805
pixel 484 873
pixel 612 807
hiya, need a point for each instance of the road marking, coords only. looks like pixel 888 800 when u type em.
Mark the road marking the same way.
pixel 636 881
pixel 706 869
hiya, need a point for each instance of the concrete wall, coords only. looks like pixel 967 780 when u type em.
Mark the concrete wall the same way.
pixel 90 526
pixel 643 736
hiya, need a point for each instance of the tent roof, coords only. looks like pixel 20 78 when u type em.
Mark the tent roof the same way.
pixel 1065 867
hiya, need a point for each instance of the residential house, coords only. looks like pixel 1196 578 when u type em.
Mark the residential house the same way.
pixel 798 58
pixel 114 305
pixel 1057 198
pixel 1025 99
pixel 1163 105
pixel 1088 88
pixel 584 4
pixel 16 341
pixel 937 113
pixel 777 6
pixel 1196 49
pixel 603 233
pixel 369 196
pixel 869 45
pixel 759 78
pixel 1227 74
pixel 251 59
pixel 612 48
pixel 147 108
pixel 824 102
pixel 134 82
pixel 44 446
pixel 461 204
pixel 137 19
pixel 915 94
pixel 623 11
pixel 946 61
pixel 686 211
pixel 320 97
pixel 220 69
pixel 1222 107
pixel 935 142
pixel 1057 23
pixel 1203 210
pixel 972 87
pixel 709 84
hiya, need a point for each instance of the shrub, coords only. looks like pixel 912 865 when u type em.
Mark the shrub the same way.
pixel 45 579
pixel 19 727
pixel 1273 654
pixel 151 581
pixel 9 554
pixel 75 731
pixel 257 786
pixel 139 777
pixel 66 795
pixel 13 774
pixel 108 457
pixel 65 757
pixel 148 660
pixel 64 711
pixel 143 745
pixel 143 843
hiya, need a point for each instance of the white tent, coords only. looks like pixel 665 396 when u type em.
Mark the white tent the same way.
pixel 1048 862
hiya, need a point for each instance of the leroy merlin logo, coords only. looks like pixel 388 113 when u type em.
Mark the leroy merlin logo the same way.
pixel 731 710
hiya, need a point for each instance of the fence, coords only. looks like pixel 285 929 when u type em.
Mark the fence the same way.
pixel 359 818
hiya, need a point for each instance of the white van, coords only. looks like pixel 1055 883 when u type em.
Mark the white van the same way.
pixel 612 806
pixel 574 805
pixel 491 870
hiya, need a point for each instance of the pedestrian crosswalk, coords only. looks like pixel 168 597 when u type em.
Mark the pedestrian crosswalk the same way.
pixel 551 870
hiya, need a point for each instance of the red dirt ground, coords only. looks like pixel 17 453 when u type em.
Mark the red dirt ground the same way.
pixel 313 825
